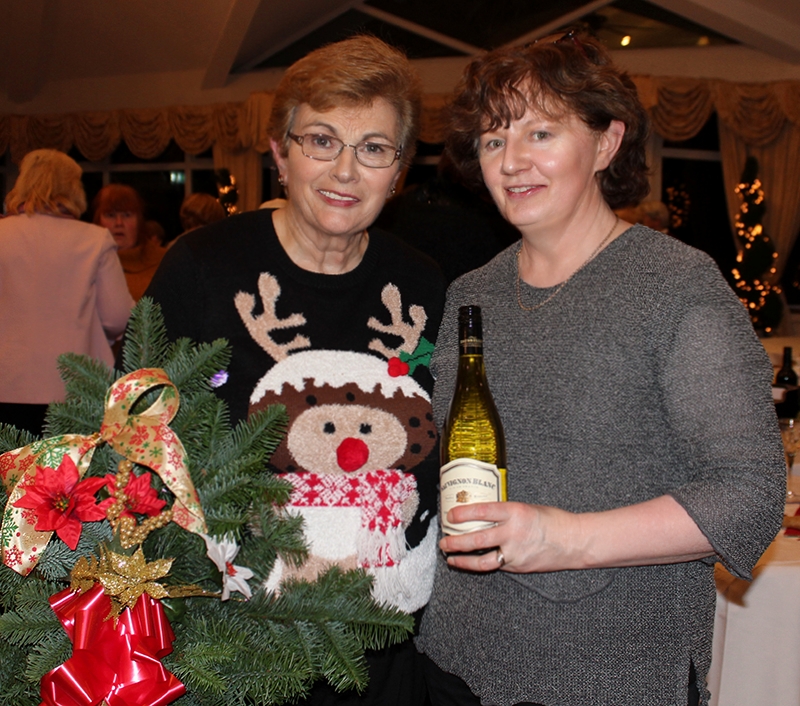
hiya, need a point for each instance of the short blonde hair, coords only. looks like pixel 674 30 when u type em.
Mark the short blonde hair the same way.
pixel 353 72
pixel 49 182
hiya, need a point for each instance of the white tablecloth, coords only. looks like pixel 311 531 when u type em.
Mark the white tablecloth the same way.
pixel 756 654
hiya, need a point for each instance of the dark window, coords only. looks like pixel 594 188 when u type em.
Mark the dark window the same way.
pixel 694 190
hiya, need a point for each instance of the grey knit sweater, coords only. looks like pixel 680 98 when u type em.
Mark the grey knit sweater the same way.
pixel 642 377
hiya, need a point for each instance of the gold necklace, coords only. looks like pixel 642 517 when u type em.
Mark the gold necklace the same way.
pixel 564 283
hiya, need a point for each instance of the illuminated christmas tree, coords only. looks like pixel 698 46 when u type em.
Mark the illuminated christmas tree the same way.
pixel 757 255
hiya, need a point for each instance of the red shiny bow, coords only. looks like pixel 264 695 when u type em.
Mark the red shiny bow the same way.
pixel 118 663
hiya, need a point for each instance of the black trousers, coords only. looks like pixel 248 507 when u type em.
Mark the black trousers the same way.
pixel 395 679
pixel 445 689
pixel 23 416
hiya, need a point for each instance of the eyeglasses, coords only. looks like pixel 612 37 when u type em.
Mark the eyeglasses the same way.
pixel 571 36
pixel 326 148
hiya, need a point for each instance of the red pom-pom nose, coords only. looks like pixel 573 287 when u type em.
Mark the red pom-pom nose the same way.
pixel 352 454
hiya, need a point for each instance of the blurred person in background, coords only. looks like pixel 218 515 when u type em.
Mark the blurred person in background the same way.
pixel 655 215
pixel 198 210
pixel 61 287
pixel 457 226
pixel 119 208
pixel 154 231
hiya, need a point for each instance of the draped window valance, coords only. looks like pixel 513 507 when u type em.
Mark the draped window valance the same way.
pixel 756 113
pixel 762 120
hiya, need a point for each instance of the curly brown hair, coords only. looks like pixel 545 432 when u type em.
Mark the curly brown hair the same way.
pixel 569 74
pixel 356 71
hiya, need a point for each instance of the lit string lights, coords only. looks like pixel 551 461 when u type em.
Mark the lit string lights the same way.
pixel 755 261
pixel 679 204
pixel 227 190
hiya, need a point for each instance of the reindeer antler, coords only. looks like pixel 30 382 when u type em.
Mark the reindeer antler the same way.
pixel 260 326
pixel 410 335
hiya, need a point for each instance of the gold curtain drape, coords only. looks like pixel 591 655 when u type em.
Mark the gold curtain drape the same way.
pixel 756 113
pixel 758 119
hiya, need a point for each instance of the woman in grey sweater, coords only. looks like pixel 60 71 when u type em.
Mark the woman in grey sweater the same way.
pixel 641 434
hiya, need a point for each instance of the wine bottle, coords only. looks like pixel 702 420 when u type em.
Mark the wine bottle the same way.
pixel 786 377
pixel 473 447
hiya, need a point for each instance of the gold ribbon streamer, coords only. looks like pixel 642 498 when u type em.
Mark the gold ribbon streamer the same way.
pixel 143 438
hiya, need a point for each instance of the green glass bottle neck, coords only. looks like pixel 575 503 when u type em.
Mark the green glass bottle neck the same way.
pixel 470 341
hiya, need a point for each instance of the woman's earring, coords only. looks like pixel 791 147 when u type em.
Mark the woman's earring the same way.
pixel 281 180
pixel 393 191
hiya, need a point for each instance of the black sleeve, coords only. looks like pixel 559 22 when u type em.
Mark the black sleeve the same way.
pixel 177 288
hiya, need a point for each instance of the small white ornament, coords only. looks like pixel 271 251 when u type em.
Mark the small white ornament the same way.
pixel 234 578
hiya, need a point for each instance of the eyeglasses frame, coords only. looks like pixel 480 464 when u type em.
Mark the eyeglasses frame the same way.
pixel 570 36
pixel 398 151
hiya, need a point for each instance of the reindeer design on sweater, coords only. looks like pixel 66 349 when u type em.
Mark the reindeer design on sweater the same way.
pixel 357 423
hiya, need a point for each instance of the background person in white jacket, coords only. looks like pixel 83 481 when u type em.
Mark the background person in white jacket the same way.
pixel 62 288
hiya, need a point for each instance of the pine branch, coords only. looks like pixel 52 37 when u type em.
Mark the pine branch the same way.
pixel 344 666
pixel 49 653
pixel 84 376
pixel 282 535
pixel 12 438
pixel 269 650
pixel 146 341
pixel 74 416
pixel 33 595
pixel 10 583
pixel 213 646
pixel 29 626
pixel 58 559
pixel 13 688
pixel 190 366
pixel 260 433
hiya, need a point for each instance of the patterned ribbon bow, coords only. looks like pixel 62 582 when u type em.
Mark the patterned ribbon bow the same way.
pixel 143 438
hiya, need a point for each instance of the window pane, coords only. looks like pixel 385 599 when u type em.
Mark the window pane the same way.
pixel 162 197
pixel 695 194
pixel 204 182
pixel 92 183
pixel 790 280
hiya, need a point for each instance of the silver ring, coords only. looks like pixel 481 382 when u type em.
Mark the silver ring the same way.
pixel 500 558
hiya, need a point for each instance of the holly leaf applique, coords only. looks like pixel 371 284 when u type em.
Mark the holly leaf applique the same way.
pixel 421 355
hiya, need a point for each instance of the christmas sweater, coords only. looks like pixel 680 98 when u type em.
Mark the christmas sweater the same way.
pixel 348 357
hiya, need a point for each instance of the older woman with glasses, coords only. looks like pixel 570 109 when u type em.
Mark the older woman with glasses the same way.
pixel 336 320
pixel 642 444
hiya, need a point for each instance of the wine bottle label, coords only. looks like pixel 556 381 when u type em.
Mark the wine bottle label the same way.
pixel 471 345
pixel 464 481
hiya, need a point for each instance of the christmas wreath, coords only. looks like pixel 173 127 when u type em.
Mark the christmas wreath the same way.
pixel 138 534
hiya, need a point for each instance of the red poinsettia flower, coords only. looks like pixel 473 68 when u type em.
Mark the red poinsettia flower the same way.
pixel 141 496
pixel 61 501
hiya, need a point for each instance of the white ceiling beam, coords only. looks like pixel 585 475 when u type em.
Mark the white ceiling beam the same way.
pixel 314 14
pixel 446 40
pixel 230 40
pixel 746 22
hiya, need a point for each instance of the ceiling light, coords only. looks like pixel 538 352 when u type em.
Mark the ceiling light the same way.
pixel 626 40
